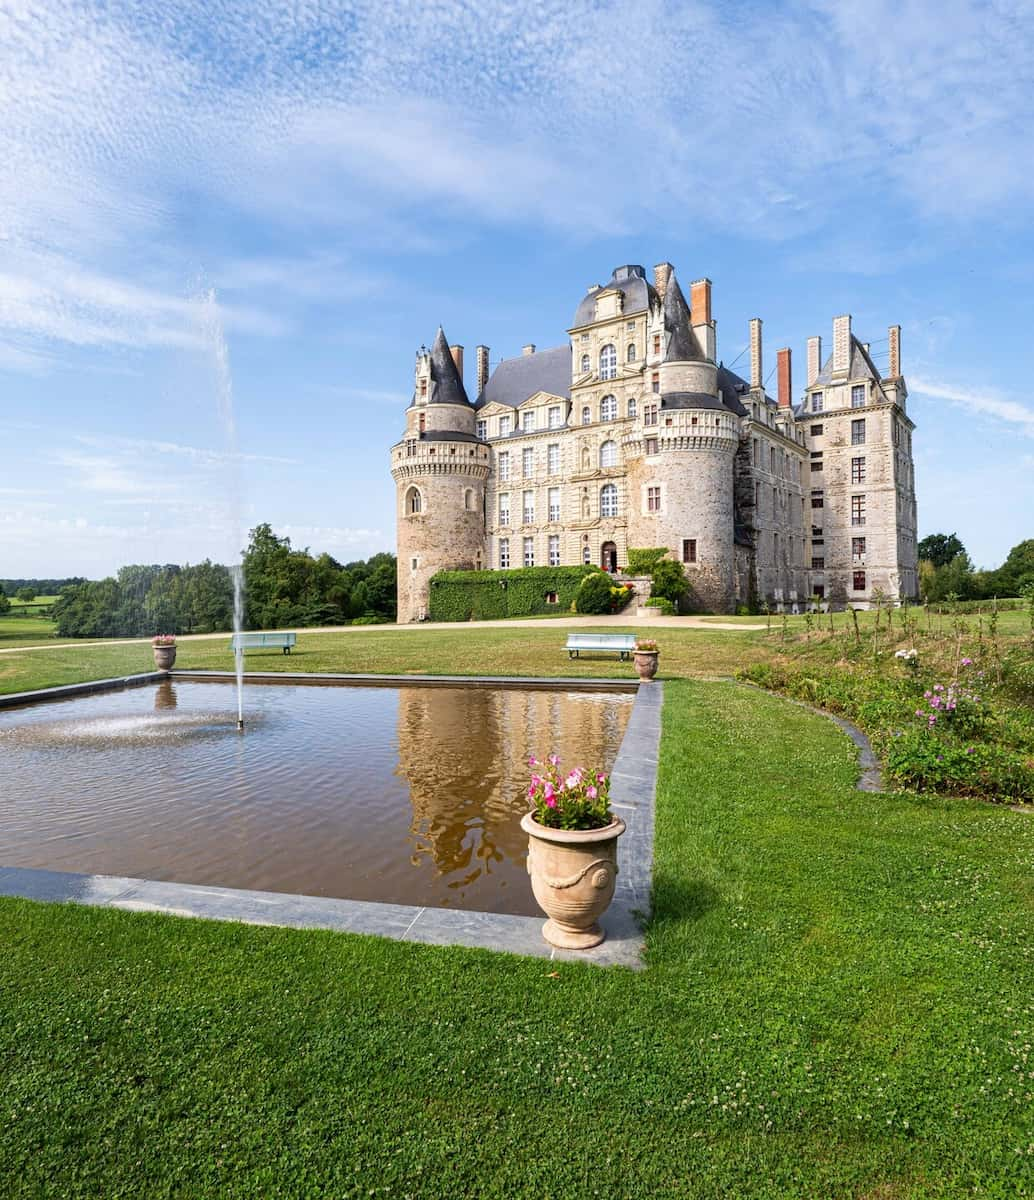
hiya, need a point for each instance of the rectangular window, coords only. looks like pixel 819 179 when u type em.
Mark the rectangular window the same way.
pixel 527 462
pixel 410 449
pixel 504 508
pixel 554 550
pixel 528 507
pixel 818 564
pixel 423 388
pixel 650 414
pixel 653 499
pixel 858 432
pixel 772 459
pixel 656 344
pixel 858 581
pixel 857 510
pixel 655 382
pixel 630 324
pixel 689 550
pixel 858 395
pixel 504 554
pixel 857 547
pixel 816 453
pixel 554 504
pixel 651 445
pixel 504 465
pixel 817 541
pixel 529 421
pixel 816 431
pixel 817 502
pixel 482 430
pixel 857 470
pixel 553 458
pixel 504 426
pixel 816 402
pixel 529 552
pixel 816 466
pixel 555 419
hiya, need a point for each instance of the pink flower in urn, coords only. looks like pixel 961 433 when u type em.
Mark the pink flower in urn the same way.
pixel 554 760
pixel 591 792
pixel 549 792
pixel 533 761
pixel 551 802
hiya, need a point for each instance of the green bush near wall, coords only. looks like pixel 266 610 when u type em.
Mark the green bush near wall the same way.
pixel 490 595
pixel 642 561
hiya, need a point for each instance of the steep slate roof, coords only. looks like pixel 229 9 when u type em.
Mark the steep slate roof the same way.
pixel 630 281
pixel 682 341
pixel 515 379
pixel 446 384
pixel 861 367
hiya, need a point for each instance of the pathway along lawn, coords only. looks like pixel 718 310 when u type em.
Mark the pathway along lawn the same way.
pixel 839 1002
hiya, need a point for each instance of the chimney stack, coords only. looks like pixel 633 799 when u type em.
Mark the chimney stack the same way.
pixel 814 359
pixel 756 376
pixel 894 338
pixel 784 377
pixel 842 344
pixel 700 302
pixel 481 359
pixel 457 358
pixel 661 277
pixel 528 349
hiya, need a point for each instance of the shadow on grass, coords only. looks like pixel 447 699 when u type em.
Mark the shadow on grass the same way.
pixel 676 900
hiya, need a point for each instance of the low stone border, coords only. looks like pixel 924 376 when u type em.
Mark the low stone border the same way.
pixel 67 690
pixel 633 778
pixel 328 679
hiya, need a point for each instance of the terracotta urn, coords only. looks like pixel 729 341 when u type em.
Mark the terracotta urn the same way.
pixel 164 657
pixel 646 663
pixel 573 873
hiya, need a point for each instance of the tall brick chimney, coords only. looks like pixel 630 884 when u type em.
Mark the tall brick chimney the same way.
pixel 661 276
pixel 481 359
pixel 784 378
pixel 457 358
pixel 700 302
pixel 894 339
pixel 814 359
pixel 842 344
pixel 756 373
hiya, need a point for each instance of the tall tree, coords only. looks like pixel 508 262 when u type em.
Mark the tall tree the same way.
pixel 940 548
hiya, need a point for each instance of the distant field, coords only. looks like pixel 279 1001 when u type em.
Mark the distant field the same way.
pixel 39 601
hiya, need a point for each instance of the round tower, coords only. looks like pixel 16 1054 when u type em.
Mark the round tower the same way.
pixel 680 456
pixel 440 468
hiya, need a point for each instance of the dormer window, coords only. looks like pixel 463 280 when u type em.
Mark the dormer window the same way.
pixel 816 402
pixel 608 362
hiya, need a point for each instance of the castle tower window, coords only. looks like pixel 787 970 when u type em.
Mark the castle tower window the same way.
pixel 504 508
pixel 656 343
pixel 609 454
pixel 858 432
pixel 608 362
pixel 527 462
pixel 650 414
pixel 586 367
pixel 858 581
pixel 554 555
pixel 553 459
pixel 504 465
pixel 423 389
pixel 529 552
pixel 816 431
pixel 858 549
pixel 468 500
pixel 609 408
pixel 653 499
pixel 609 500
pixel 414 501
pixel 858 395
pixel 630 353
pixel 817 563
pixel 651 445
pixel 504 554
pixel 655 382
pixel 857 470
pixel 422 422
pixel 410 448
pixel 816 402
pixel 689 550
pixel 554 504
pixel 632 406
pixel 528 506
pixel 586 415
pixel 816 467
pixel 857 510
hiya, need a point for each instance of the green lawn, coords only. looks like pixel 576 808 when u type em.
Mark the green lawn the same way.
pixel 839 1002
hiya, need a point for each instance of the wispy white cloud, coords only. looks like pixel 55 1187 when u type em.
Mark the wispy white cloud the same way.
pixel 979 401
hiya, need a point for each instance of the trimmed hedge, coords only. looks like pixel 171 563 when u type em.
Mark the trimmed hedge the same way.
pixel 642 560
pixel 490 595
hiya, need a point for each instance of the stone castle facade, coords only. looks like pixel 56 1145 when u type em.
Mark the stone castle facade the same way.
pixel 633 433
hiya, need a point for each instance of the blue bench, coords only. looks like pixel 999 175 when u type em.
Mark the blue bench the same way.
pixel 242 642
pixel 621 643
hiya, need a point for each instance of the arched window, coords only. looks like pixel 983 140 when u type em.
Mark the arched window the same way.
pixel 608 362
pixel 632 407
pixel 609 500
pixel 586 415
pixel 468 499
pixel 609 454
pixel 630 357
pixel 586 554
pixel 609 408
pixel 586 368
pixel 414 501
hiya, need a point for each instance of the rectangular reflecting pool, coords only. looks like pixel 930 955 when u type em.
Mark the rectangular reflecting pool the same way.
pixel 407 795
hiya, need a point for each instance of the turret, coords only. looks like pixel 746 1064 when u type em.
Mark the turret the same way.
pixel 440 468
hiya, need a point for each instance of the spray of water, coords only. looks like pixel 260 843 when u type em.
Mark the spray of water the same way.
pixel 212 325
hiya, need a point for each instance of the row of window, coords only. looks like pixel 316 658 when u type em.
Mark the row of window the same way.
pixel 608 505
pixel 689 551
pixel 506 426
pixel 818 561
pixel 818 500
pixel 857 398
pixel 607 457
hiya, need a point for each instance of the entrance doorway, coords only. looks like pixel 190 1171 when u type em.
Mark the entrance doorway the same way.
pixel 609 557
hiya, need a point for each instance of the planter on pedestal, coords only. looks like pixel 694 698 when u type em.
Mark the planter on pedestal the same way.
pixel 646 663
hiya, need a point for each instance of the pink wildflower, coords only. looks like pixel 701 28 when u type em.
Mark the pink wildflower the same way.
pixel 967 662
pixel 590 791
pixel 549 792
pixel 550 802
pixel 554 760
pixel 533 761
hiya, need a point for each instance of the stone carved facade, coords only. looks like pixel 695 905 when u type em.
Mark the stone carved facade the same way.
pixel 634 434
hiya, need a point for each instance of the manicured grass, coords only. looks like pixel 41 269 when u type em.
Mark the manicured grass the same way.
pixel 838 1003
pixel 24 631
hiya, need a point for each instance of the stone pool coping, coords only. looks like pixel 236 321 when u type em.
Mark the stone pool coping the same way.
pixel 535 682
pixel 66 690
pixel 633 778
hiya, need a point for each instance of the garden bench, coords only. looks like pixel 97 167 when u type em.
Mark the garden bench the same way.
pixel 622 643
pixel 241 642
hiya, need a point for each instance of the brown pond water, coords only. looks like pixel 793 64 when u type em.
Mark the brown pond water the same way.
pixel 409 795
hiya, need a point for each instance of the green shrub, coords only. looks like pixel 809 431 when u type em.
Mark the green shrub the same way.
pixel 920 760
pixel 371 619
pixel 488 595
pixel 594 594
pixel 642 561
pixel 669 581
pixel 663 606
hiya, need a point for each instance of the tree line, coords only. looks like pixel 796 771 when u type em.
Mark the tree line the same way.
pixel 945 569
pixel 282 587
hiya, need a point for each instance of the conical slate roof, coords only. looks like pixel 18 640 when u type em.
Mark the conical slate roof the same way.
pixel 682 342
pixel 446 384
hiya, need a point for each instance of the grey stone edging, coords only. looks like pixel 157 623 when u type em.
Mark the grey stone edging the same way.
pixel 328 678
pixel 66 690
pixel 871 777
pixel 633 788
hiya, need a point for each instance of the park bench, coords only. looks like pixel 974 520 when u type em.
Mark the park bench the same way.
pixel 622 643
pixel 242 642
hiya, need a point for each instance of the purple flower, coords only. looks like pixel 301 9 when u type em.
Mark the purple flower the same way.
pixel 967 662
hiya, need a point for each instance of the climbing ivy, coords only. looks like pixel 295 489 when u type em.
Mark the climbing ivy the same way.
pixel 486 595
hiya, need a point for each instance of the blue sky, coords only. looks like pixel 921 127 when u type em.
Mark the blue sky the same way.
pixel 345 177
